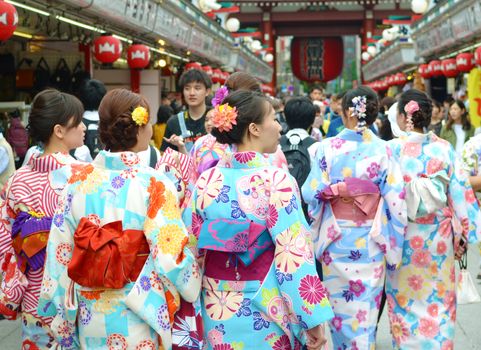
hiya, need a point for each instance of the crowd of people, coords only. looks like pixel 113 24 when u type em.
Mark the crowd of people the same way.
pixel 238 221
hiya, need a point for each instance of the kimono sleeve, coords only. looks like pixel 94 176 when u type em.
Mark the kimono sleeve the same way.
pixel 57 295
pixel 469 158
pixel 394 212
pixel 316 182
pixel 462 200
pixel 13 281
pixel 294 258
pixel 168 239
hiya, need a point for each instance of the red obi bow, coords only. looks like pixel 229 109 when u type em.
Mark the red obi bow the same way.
pixel 106 256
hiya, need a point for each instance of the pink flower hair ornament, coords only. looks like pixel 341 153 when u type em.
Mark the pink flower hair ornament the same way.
pixel 410 108
pixel 224 117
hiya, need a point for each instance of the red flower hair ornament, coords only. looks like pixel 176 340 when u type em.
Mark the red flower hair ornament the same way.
pixel 224 117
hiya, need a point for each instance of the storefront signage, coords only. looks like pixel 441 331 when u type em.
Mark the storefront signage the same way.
pixel 457 24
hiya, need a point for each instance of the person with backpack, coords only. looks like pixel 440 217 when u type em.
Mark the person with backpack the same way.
pixel 28 204
pixel 189 124
pixel 298 147
pixel 91 93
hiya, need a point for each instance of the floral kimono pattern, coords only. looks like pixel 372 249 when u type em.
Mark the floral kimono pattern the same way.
pixel 115 187
pixel 206 152
pixel 421 294
pixel 260 287
pixel 471 157
pixel 28 205
pixel 355 253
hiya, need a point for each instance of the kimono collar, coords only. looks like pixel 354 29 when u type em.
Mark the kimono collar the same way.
pixel 49 162
pixel 116 160
pixel 243 160
pixel 353 135
pixel 417 137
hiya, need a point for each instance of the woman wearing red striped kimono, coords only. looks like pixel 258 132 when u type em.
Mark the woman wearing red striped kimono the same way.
pixel 28 204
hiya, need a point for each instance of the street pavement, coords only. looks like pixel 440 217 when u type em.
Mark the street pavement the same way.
pixel 468 330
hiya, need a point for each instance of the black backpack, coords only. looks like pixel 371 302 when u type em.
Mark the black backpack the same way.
pixel 92 140
pixel 297 156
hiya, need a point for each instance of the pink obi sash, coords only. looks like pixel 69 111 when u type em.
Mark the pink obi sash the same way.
pixel 353 199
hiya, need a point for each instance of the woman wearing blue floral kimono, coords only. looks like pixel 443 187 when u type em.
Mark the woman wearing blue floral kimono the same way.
pixel 260 286
pixel 117 261
pixel 356 201
pixel 443 214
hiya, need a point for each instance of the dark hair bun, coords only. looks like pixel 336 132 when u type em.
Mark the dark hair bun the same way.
pixel 251 108
pixel 372 102
pixel 422 118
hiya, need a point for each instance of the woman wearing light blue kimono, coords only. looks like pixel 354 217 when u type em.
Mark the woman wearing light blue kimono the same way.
pixel 443 214
pixel 117 261
pixel 260 286
pixel 356 201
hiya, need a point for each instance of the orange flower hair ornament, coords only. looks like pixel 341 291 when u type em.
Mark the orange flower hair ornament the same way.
pixel 224 117
pixel 140 116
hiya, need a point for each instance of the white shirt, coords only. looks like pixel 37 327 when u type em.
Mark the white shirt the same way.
pixel 460 135
pixel 302 135
pixel 144 156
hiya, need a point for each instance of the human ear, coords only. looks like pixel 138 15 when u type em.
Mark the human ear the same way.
pixel 59 131
pixel 254 129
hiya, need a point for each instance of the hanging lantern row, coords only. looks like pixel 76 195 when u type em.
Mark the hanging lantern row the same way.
pixel 9 20
pixel 398 79
pixel 451 67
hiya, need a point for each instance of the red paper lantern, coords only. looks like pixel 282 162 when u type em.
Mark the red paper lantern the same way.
pixel 138 56
pixel 207 70
pixel 464 62
pixel 436 68
pixel 8 20
pixel 477 56
pixel 449 68
pixel 383 85
pixel 216 75
pixel 192 65
pixel 401 78
pixel 317 59
pixel 424 71
pixel 107 48
pixel 225 76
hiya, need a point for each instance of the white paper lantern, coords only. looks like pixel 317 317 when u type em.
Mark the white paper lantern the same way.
pixel 372 51
pixel 232 25
pixel 209 5
pixel 365 56
pixel 269 58
pixel 419 6
pixel 388 34
pixel 256 45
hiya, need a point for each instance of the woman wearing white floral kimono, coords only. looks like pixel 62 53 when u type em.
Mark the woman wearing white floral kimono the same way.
pixel 117 260
pixel 442 211
pixel 356 201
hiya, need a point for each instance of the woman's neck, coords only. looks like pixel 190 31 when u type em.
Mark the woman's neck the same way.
pixel 51 149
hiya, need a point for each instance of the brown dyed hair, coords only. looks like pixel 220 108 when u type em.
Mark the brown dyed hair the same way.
pixel 117 129
pixel 49 108
pixel 243 81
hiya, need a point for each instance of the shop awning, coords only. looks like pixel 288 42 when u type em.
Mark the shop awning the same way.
pixel 178 23
pixel 395 58
pixel 447 28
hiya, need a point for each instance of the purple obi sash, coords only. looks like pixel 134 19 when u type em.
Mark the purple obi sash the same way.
pixel 235 248
pixel 353 199
pixel 30 237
